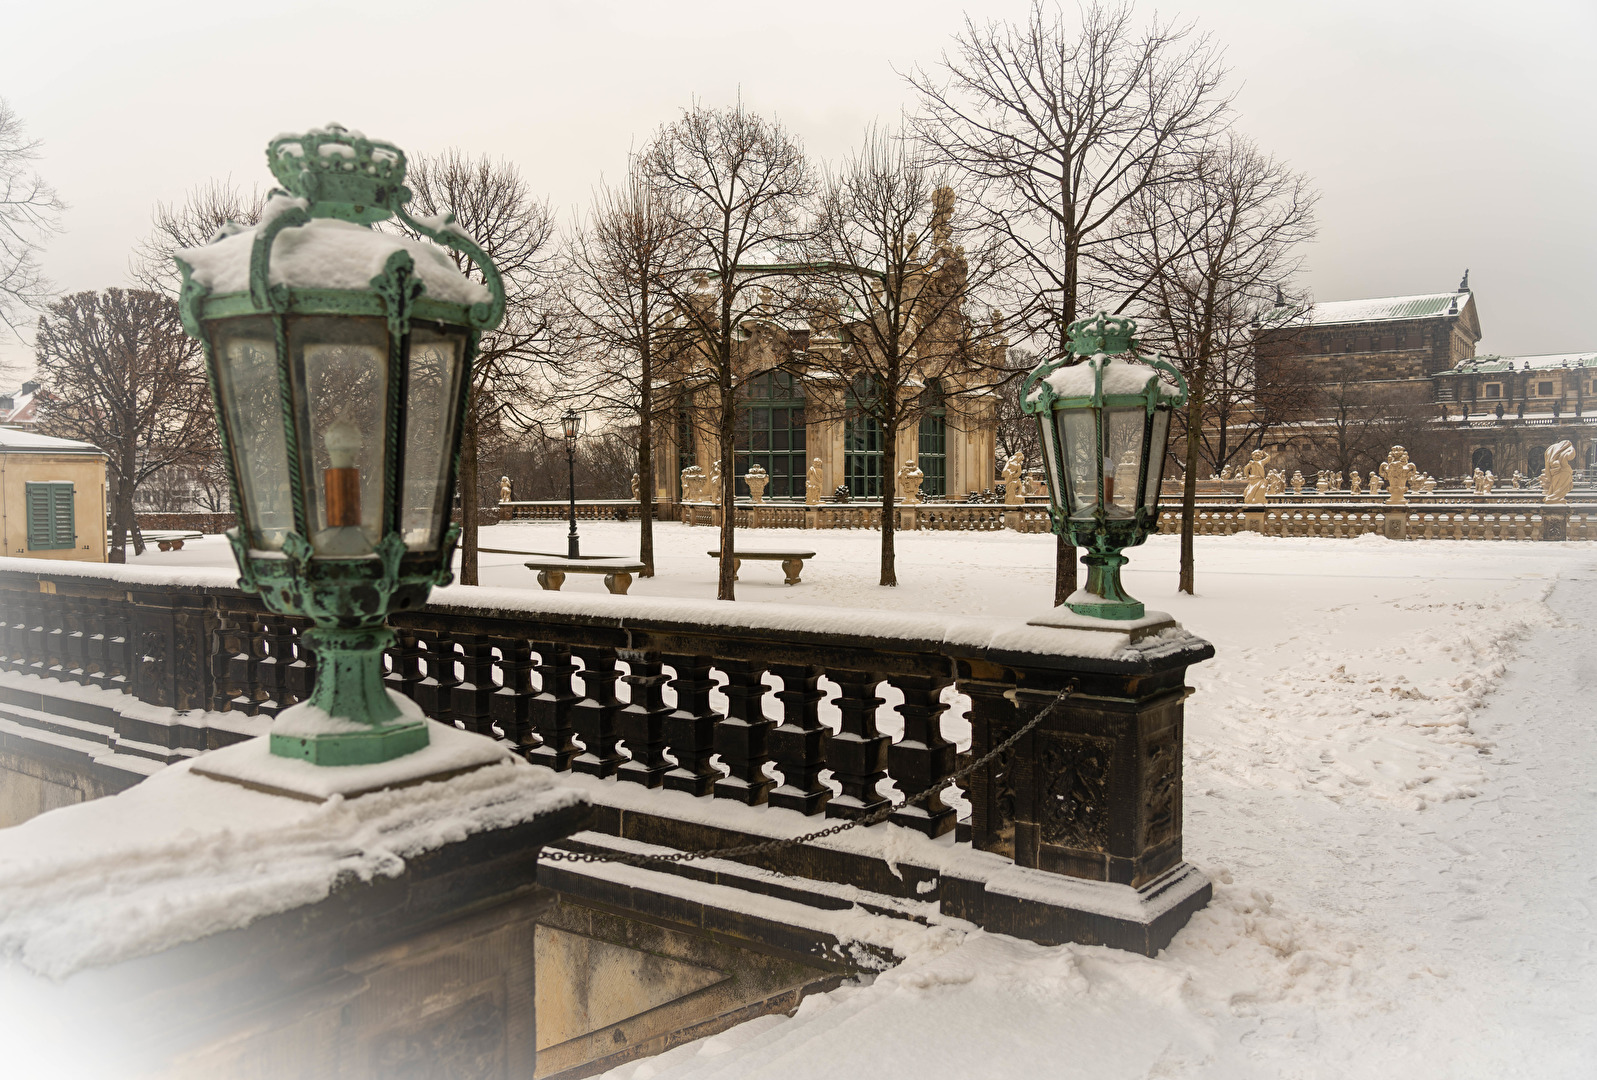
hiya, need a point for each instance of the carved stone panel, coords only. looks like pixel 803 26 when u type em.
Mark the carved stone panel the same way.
pixel 1073 771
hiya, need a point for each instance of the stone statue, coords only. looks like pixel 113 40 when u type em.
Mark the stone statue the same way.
pixel 1430 483
pixel 909 480
pixel 1225 473
pixel 1126 480
pixel 1013 468
pixel 1354 483
pixel 1254 473
pixel 756 478
pixel 1517 479
pixel 1322 483
pixel 504 489
pixel 1375 484
pixel 634 487
pixel 1397 470
pixel 1560 474
pixel 1491 481
pixel 712 485
pixel 812 484
pixel 1336 481
pixel 1033 485
pixel 693 484
pixel 1297 481
pixel 1275 482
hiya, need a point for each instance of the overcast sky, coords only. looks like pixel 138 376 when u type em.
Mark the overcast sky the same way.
pixel 1442 135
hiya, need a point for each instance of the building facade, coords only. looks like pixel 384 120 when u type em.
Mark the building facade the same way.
pixel 1405 368
pixel 52 497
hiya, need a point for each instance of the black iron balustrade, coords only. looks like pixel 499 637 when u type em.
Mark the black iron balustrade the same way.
pixel 628 689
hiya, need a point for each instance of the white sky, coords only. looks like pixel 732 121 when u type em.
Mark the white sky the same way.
pixel 1441 134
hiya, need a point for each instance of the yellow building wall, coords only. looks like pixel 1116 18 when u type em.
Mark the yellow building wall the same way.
pixel 86 474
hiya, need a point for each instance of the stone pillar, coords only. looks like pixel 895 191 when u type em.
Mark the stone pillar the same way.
pixel 1555 523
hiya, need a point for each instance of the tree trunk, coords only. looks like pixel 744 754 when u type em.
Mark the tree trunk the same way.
pixel 724 587
pixel 889 489
pixel 468 494
pixel 646 472
pixel 1064 570
pixel 119 523
pixel 1189 488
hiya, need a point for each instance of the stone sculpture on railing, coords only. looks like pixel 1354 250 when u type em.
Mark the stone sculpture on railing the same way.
pixel 1297 481
pixel 1336 481
pixel 1254 473
pixel 1322 482
pixel 693 484
pixel 1034 485
pixel 635 482
pixel 1560 475
pixel 1519 481
pixel 504 489
pixel 712 485
pixel 1482 482
pixel 1398 471
pixel 1014 468
pixel 1375 484
pixel 909 481
pixel 756 478
pixel 1275 482
pixel 1354 483
pixel 812 484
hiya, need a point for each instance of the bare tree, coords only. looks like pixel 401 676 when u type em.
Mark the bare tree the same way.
pixel 738 183
pixel 29 213
pixel 1216 250
pixel 517 364
pixel 123 375
pixel 887 244
pixel 1017 429
pixel 626 265
pixel 190 224
pixel 1061 122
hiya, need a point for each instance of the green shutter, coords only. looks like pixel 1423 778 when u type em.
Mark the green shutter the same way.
pixel 51 519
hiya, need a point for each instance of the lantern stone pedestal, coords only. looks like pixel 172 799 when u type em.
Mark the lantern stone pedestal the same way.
pixel 387 934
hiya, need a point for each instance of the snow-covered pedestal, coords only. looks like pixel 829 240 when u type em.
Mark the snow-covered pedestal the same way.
pixel 290 920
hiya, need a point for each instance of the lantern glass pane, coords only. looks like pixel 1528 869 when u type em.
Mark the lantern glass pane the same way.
pixel 1050 455
pixel 431 389
pixel 1078 437
pixel 1122 460
pixel 252 409
pixel 1156 458
pixel 340 371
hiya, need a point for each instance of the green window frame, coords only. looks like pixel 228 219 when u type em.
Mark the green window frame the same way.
pixel 862 457
pixel 52 516
pixel 771 433
pixel 686 455
pixel 934 455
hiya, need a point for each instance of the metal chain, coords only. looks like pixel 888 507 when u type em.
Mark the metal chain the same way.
pixel 874 818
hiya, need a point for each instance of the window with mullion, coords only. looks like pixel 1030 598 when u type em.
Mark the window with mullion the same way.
pixel 862 457
pixel 770 434
pixel 934 455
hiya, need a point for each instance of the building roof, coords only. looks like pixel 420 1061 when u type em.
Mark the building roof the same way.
pixel 1379 309
pixel 23 406
pixel 13 441
pixel 1485 365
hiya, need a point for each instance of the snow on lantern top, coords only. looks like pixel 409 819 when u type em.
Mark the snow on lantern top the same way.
pixel 1104 363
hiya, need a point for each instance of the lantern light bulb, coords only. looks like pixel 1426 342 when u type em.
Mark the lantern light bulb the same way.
pixel 343 441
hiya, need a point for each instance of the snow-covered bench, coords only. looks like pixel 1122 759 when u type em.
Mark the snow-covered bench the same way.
pixel 552 571
pixel 792 560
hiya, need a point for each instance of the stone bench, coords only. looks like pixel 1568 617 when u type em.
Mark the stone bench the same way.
pixel 617 572
pixel 792 561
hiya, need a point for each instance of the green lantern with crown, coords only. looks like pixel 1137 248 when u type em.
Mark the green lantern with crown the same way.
pixel 339 358
pixel 1103 413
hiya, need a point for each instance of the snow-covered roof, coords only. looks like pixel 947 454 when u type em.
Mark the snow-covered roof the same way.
pixel 327 254
pixel 1489 364
pixel 1379 309
pixel 23 409
pixel 13 441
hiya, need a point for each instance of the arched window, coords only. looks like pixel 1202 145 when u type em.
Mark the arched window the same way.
pixel 687 453
pixel 770 433
pixel 862 442
pixel 1481 459
pixel 934 441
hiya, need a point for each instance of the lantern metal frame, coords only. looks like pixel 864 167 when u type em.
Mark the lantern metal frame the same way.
pixel 1096 342
pixel 334 173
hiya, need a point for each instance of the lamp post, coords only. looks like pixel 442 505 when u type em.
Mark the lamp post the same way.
pixel 1104 421
pixel 571 423
pixel 338 359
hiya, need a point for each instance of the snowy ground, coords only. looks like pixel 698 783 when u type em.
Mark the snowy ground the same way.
pixel 1390 776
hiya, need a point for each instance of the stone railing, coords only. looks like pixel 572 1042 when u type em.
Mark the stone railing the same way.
pixel 560 510
pixel 1416 521
pixel 764 706
pixel 1029 517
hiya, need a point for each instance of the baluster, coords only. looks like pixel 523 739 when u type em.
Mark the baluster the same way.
pixel 73 636
pixel 922 757
pixel 274 651
pixel 798 745
pixel 118 646
pixel 550 708
pixel 740 738
pixel 511 702
pixel 299 675
pixel 594 714
pixel 233 664
pixel 857 754
pixel 642 722
pixel 404 663
pixel 433 693
pixel 690 727
pixel 469 699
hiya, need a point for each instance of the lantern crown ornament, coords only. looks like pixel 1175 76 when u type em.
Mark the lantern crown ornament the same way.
pixel 339 359
pixel 1103 412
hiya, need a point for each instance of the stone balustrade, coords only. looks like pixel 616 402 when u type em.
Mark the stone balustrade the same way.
pixel 755 706
pixel 1416 520
pixel 560 510
pixel 1031 517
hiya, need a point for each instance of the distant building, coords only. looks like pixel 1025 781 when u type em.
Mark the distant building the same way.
pixel 52 497
pixel 1405 367
pixel 21 409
